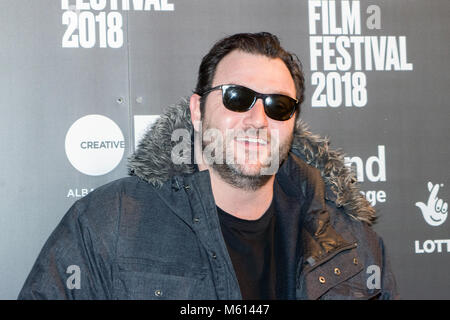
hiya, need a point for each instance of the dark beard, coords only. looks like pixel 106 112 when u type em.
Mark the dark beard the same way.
pixel 236 178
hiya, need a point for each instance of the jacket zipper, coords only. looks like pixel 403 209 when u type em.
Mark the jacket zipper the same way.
pixel 220 242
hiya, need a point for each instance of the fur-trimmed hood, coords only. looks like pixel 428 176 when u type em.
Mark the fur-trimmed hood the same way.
pixel 153 163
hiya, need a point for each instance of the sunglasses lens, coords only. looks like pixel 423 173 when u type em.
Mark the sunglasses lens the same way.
pixel 238 99
pixel 279 107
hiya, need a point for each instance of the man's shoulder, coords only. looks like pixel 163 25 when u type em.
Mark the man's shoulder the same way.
pixel 355 230
pixel 110 201
pixel 121 185
pixel 131 186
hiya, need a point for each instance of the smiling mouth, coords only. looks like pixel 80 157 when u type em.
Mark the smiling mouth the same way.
pixel 249 140
pixel 436 220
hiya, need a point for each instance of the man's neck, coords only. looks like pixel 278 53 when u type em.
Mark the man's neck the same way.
pixel 243 204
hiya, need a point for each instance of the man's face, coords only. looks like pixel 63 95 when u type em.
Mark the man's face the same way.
pixel 254 136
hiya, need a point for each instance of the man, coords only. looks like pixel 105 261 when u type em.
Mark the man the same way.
pixel 268 212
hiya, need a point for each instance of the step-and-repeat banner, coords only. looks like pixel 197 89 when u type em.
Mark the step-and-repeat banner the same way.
pixel 80 80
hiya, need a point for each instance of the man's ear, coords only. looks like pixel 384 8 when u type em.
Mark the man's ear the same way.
pixel 194 106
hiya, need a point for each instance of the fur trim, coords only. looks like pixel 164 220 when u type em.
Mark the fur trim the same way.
pixel 152 161
pixel 340 179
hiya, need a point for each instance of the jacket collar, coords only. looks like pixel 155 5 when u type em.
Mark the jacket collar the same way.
pixel 152 161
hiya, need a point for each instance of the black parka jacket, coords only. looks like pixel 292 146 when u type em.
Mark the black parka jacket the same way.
pixel 156 234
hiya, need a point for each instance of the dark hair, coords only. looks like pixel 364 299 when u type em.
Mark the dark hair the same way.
pixel 262 43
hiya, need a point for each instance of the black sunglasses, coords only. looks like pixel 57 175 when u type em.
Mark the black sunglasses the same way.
pixel 240 99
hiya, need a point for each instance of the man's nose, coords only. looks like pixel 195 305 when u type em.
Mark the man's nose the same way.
pixel 256 117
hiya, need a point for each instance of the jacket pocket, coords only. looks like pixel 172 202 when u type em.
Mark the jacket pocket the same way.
pixel 351 291
pixel 144 279
pixel 136 285
pixel 330 277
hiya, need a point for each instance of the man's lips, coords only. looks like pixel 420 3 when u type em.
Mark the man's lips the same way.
pixel 252 141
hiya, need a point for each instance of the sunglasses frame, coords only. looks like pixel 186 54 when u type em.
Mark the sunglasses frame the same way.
pixel 256 96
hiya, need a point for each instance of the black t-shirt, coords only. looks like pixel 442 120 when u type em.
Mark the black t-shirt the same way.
pixel 251 245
